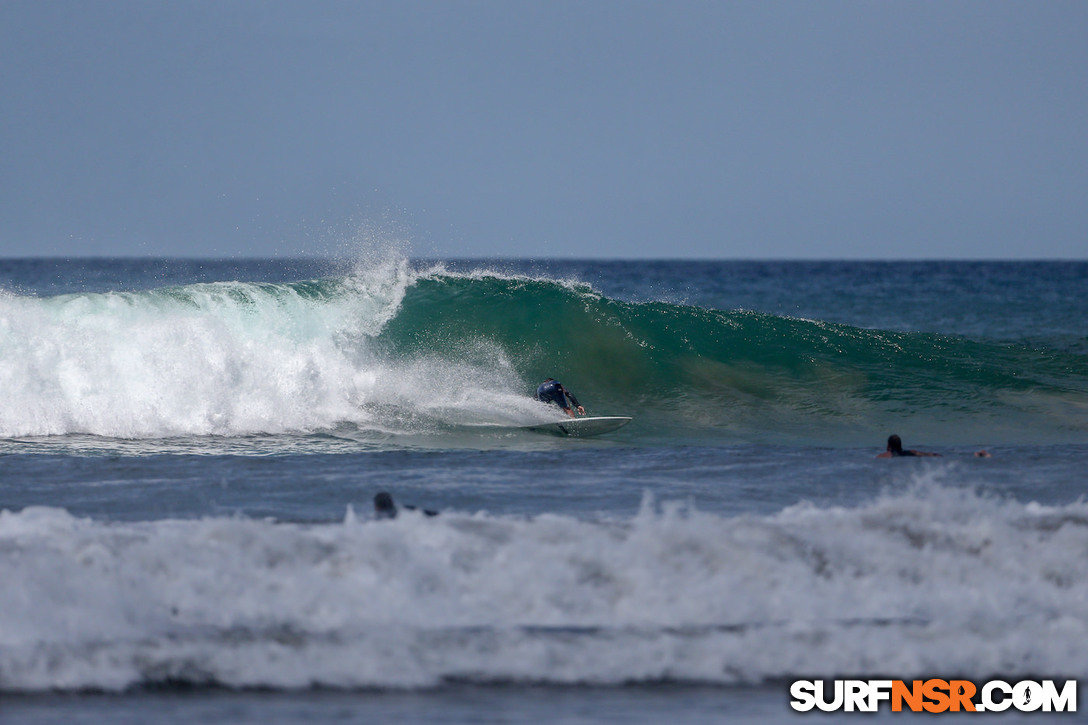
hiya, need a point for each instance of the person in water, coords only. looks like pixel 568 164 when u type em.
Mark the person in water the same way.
pixel 895 449
pixel 552 391
pixel 384 508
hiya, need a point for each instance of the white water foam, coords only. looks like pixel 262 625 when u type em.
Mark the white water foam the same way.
pixel 234 358
pixel 935 582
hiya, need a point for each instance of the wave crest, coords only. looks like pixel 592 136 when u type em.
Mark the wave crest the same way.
pixel 398 351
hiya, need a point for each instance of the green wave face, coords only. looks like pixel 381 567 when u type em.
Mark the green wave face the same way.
pixel 686 370
pixel 392 352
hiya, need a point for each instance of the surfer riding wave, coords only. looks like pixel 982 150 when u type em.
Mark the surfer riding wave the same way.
pixel 552 391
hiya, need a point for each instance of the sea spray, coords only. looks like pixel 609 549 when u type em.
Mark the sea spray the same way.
pixel 931 579
pixel 401 351
pixel 223 358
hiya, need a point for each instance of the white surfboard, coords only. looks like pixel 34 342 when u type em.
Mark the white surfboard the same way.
pixel 581 427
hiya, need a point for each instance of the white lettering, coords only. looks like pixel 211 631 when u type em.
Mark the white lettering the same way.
pixel 804 698
pixel 879 690
pixel 994 696
pixel 856 695
pixel 824 704
pixel 1027 696
pixel 987 695
pixel 1065 701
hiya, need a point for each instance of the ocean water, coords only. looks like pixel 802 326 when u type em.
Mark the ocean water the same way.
pixel 189 451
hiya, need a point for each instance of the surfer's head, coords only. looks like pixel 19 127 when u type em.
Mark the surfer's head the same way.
pixel 895 444
pixel 384 508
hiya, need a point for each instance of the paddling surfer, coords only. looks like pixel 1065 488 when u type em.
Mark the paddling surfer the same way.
pixel 895 449
pixel 552 391
pixel 384 508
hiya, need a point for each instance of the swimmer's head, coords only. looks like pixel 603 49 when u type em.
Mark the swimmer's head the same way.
pixel 384 508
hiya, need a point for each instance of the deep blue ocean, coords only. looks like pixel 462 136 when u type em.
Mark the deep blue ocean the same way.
pixel 189 452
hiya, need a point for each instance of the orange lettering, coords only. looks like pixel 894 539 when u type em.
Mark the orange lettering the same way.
pixel 961 692
pixel 912 696
pixel 934 690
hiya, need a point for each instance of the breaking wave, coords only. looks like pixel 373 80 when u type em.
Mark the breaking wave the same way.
pixel 394 351
pixel 931 580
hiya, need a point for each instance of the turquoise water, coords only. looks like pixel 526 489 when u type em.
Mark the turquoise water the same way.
pixel 190 450
pixel 397 353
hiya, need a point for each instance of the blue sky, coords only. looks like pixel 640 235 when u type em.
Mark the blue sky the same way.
pixel 598 128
